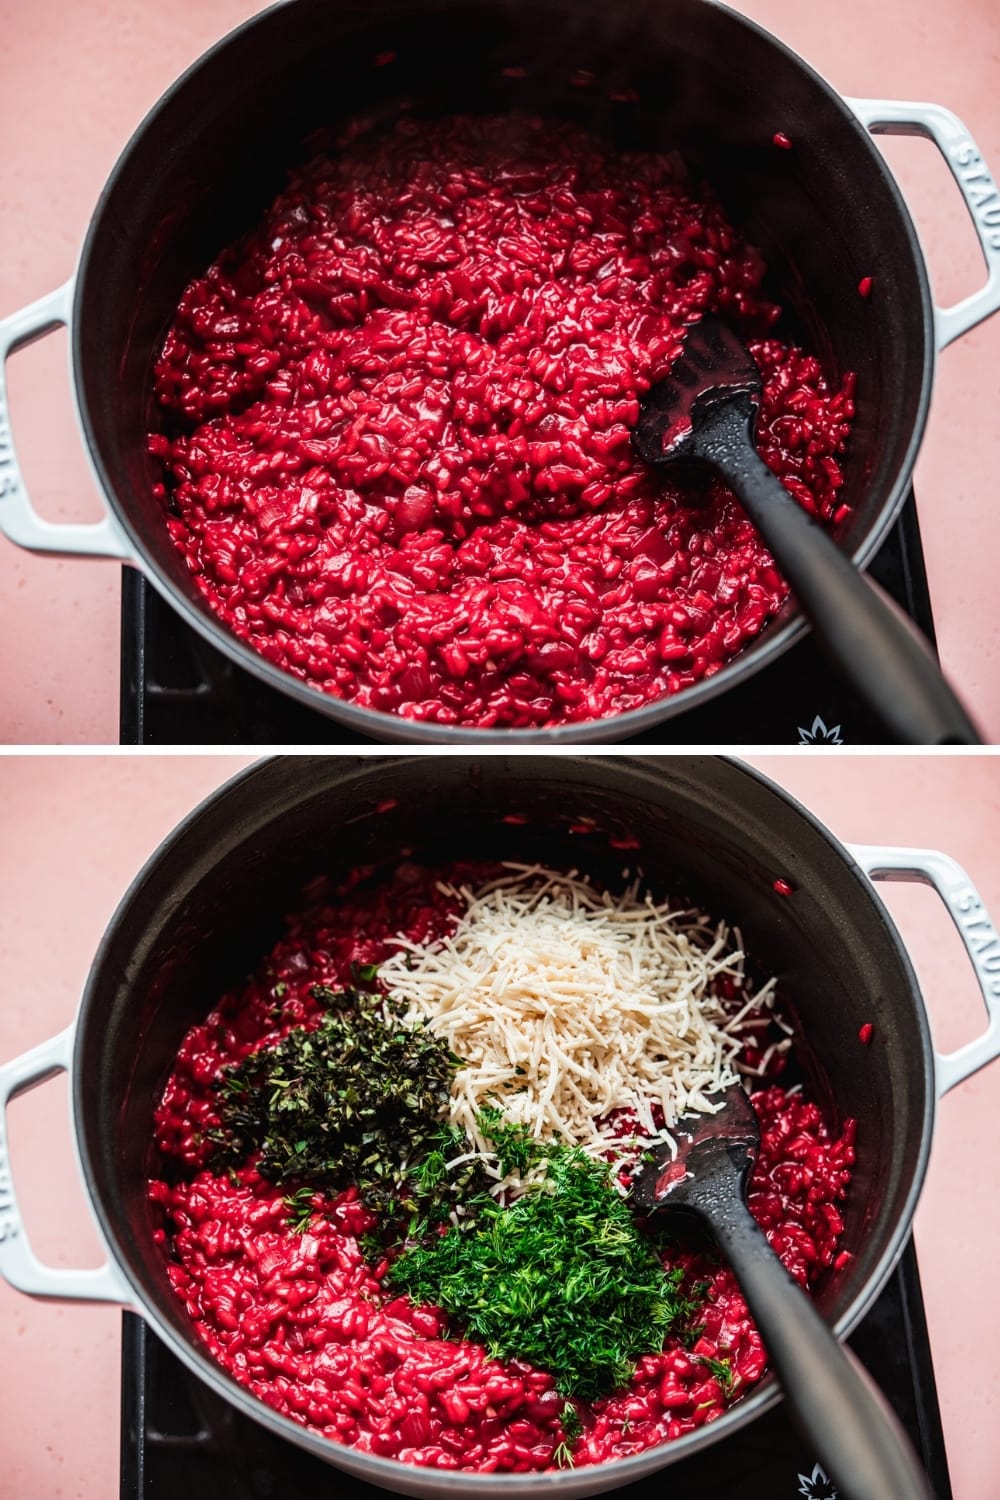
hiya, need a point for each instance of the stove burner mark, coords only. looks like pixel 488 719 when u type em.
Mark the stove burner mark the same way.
pixel 819 734
pixel 817 1485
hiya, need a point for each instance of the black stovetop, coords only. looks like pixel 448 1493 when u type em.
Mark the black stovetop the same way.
pixel 182 1442
pixel 178 690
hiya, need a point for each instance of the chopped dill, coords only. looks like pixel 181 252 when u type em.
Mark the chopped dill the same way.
pixel 611 1300
pixel 562 1457
pixel 572 1425
pixel 722 1369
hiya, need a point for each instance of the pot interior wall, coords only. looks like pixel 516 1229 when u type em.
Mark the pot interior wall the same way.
pixel 205 166
pixel 207 909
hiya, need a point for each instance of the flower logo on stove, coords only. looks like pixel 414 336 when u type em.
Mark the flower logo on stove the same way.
pixel 816 1486
pixel 819 734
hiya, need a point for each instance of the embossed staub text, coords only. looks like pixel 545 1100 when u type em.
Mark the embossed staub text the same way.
pixel 982 935
pixel 980 189
pixel 8 468
pixel 8 1213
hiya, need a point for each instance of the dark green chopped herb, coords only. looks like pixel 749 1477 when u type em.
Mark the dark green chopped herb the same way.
pixel 610 1302
pixel 357 1100
pixel 372 1247
pixel 300 1208
pixel 329 998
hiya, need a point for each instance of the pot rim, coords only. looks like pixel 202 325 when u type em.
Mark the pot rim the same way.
pixel 773 641
pixel 389 1473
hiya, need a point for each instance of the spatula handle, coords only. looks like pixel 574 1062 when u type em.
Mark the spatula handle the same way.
pixel 870 640
pixel 848 1421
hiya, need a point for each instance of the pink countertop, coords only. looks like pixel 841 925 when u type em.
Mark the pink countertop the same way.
pixel 77 79
pixel 75 832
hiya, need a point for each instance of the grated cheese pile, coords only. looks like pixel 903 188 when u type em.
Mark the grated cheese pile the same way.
pixel 569 1004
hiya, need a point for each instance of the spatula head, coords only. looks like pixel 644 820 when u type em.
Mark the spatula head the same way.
pixel 713 1151
pixel 715 366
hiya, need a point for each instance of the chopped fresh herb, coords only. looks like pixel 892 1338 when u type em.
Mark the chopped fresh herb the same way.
pixel 362 1099
pixel 516 1150
pixel 610 1302
pixel 300 1208
pixel 722 1369
pixel 280 990
pixel 329 998
pixel 357 1100
pixel 572 1426
pixel 562 1457
pixel 372 1247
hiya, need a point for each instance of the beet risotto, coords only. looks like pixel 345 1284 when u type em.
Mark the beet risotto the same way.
pixel 393 1172
pixel 396 427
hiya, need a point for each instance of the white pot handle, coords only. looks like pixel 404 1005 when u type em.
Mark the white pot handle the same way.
pixel 975 928
pixel 965 160
pixel 19 520
pixel 18 1263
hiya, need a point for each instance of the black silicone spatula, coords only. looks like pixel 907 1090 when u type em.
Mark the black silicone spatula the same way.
pixel 704 413
pixel 848 1421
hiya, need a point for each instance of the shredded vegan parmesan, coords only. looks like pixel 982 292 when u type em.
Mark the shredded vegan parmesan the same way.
pixel 570 1005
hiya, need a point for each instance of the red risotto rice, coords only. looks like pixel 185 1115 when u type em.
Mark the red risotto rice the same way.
pixel 305 1321
pixel 396 427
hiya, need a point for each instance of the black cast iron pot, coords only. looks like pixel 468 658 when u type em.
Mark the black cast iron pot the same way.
pixel 214 152
pixel 209 903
